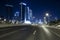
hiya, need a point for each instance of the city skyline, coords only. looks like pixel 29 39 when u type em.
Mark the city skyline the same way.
pixel 39 7
pixel 29 19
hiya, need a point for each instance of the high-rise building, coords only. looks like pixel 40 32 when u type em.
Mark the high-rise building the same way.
pixel 27 14
pixel 30 15
pixel 22 11
pixel 16 16
pixel 9 11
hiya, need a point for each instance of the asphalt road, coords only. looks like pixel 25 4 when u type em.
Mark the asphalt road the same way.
pixel 16 33
pixel 47 33
pixel 29 33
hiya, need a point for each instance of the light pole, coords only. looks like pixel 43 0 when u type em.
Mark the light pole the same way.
pixel 47 17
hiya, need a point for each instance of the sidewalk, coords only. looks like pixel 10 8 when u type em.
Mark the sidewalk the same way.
pixel 9 25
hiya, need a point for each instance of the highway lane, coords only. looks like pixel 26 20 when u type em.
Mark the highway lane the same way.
pixel 16 33
pixel 30 33
pixel 44 33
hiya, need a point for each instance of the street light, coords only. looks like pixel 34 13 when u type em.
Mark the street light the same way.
pixel 47 17
pixel 47 14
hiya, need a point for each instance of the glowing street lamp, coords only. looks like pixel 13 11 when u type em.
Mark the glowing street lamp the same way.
pixel 47 14
pixel 47 17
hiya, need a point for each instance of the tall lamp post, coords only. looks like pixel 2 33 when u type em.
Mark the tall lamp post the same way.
pixel 47 17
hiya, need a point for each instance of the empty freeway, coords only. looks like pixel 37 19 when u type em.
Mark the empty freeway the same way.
pixel 29 32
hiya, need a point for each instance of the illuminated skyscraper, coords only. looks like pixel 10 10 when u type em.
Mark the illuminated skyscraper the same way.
pixel 27 14
pixel 23 11
pixel 16 16
pixel 28 18
pixel 30 15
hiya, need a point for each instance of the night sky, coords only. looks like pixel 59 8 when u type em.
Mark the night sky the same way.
pixel 39 7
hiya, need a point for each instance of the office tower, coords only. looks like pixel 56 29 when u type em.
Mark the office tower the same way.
pixel 27 14
pixel 16 16
pixel 22 11
pixel 9 11
pixel 30 15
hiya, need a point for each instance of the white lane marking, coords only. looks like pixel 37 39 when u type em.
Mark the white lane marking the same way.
pixel 34 32
pixel 56 34
pixel 8 33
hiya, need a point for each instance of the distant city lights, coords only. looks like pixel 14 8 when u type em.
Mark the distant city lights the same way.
pixel 16 14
